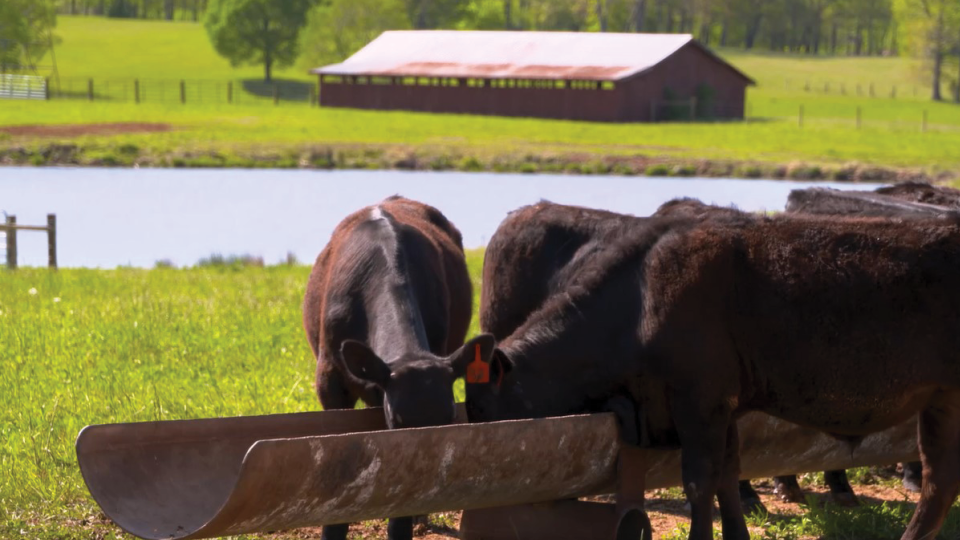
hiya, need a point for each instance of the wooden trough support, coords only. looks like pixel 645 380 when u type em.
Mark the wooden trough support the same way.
pixel 10 228
pixel 218 477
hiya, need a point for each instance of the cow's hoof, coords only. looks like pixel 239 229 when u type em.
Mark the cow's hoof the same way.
pixel 788 493
pixel 911 484
pixel 848 500
pixel 752 506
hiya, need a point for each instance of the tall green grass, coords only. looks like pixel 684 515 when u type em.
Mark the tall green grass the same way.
pixel 81 347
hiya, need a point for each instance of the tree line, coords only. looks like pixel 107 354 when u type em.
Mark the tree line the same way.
pixel 860 27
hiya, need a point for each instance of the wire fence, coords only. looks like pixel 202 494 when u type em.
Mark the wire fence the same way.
pixel 204 92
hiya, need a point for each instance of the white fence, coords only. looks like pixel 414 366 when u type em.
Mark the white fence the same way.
pixel 22 87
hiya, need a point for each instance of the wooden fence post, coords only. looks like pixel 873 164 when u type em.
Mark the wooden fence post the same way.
pixel 183 92
pixel 90 89
pixel 276 94
pixel 136 90
pixel 858 117
pixel 800 118
pixel 230 92
pixel 12 243
pixel 52 241
pixel 46 88
pixel 313 95
pixel 923 126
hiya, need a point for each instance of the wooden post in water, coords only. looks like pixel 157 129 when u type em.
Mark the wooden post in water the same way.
pixel 52 241
pixel 12 243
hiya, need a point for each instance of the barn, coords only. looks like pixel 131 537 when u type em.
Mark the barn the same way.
pixel 605 77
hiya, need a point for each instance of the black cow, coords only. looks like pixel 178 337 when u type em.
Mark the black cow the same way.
pixel 386 308
pixel 844 325
pixel 908 200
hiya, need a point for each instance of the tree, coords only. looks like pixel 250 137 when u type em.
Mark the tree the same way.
pixel 26 32
pixel 336 30
pixel 257 31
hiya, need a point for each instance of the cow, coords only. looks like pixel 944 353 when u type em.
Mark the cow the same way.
pixel 848 326
pixel 530 255
pixel 386 310
pixel 907 200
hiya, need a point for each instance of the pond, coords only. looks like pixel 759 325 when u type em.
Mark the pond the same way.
pixel 113 217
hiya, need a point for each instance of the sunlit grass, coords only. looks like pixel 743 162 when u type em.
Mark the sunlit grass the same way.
pixel 81 347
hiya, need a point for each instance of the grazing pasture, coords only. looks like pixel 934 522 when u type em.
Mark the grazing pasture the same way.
pixel 258 133
pixel 100 346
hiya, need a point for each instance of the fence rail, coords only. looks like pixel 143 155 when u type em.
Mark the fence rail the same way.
pixel 184 91
pixel 22 87
pixel 9 231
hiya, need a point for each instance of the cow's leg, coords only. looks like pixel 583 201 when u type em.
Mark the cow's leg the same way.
pixel 400 528
pixel 728 493
pixel 840 490
pixel 703 444
pixel 333 394
pixel 749 499
pixel 788 489
pixel 912 476
pixel 939 429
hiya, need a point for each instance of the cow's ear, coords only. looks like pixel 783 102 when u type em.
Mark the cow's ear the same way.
pixel 364 364
pixel 479 349
pixel 500 365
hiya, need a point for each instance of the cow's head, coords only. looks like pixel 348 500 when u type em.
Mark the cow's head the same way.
pixel 417 388
pixel 488 386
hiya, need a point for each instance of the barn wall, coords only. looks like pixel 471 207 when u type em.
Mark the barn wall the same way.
pixel 683 72
pixel 568 103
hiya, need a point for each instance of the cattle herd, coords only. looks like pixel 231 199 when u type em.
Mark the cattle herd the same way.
pixel 841 314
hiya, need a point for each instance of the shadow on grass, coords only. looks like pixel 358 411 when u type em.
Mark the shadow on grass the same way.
pixel 288 90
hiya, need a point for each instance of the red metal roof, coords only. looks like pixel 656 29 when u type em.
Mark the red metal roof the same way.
pixel 533 55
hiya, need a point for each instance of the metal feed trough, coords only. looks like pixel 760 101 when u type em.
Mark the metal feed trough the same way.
pixel 516 479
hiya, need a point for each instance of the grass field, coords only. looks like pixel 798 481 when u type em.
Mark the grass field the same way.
pixel 262 134
pixel 79 347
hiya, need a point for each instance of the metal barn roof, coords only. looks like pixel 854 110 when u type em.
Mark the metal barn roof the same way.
pixel 535 55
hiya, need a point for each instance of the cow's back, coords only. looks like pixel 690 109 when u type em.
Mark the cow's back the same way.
pixel 433 259
pixel 816 320
pixel 526 257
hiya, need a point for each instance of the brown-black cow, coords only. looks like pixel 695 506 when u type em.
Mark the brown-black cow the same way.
pixel 530 257
pixel 386 311
pixel 908 200
pixel 849 326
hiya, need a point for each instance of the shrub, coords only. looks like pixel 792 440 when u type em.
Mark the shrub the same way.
pixel 657 170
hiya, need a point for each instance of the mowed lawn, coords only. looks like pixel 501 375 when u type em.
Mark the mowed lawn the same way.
pixel 81 347
pixel 121 50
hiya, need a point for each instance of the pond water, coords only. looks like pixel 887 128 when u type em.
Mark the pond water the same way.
pixel 112 217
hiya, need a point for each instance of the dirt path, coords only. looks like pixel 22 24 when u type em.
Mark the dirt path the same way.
pixel 77 130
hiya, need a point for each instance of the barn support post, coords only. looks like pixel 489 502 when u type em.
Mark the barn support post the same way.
pixel 12 242
pixel 52 241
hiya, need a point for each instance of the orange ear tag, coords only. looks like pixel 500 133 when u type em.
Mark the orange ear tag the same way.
pixel 478 371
